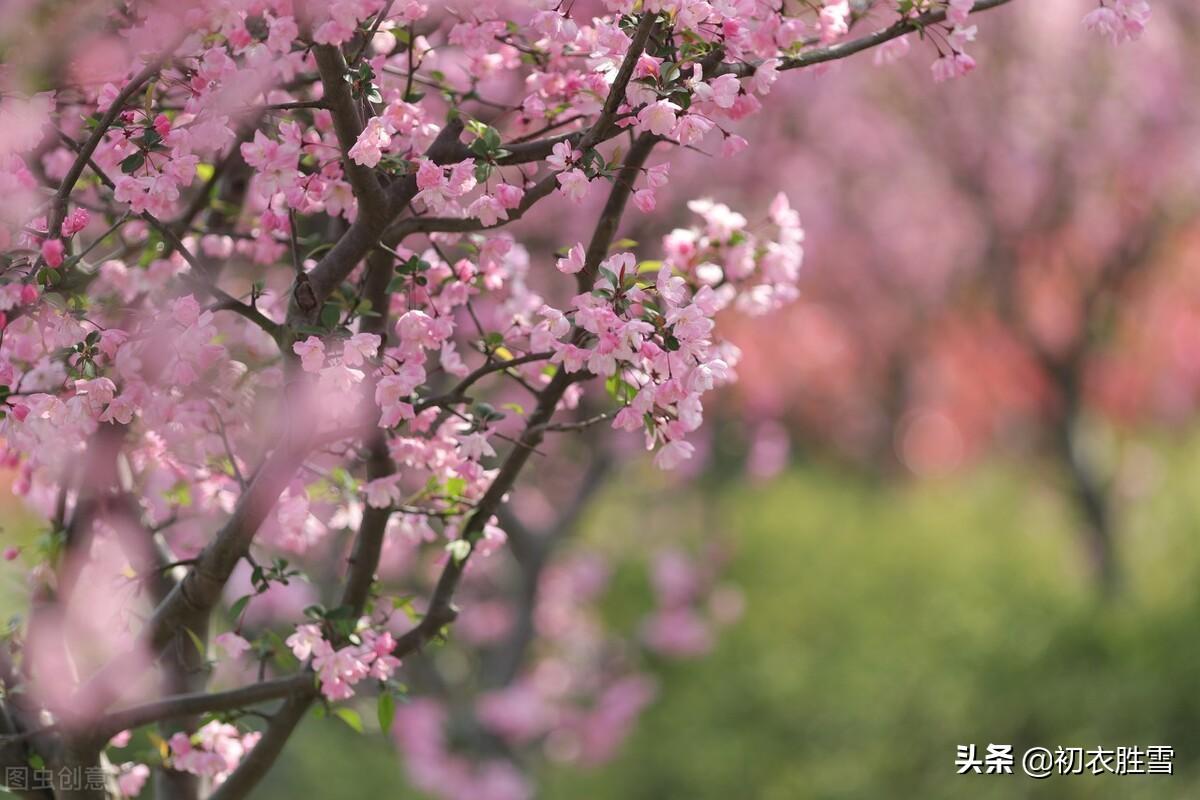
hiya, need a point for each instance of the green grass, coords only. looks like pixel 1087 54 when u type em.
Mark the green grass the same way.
pixel 887 625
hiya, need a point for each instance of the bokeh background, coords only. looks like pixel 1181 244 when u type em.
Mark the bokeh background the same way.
pixel 958 485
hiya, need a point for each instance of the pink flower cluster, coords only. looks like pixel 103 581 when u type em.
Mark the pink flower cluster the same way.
pixel 213 751
pixel 653 339
pixel 340 668
pixel 1119 20
pixel 680 627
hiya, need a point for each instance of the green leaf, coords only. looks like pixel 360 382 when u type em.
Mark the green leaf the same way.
pixel 319 249
pixel 331 314
pixel 180 495
pixel 350 717
pixel 132 162
pixel 413 265
pixel 281 652
pixel 405 604
pixel 486 411
pixel 239 606
pixel 386 709
pixel 455 487
pixel 197 642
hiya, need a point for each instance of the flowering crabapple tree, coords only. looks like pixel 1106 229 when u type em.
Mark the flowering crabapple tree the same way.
pixel 268 315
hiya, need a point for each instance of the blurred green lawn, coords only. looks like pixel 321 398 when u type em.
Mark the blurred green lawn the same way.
pixel 885 625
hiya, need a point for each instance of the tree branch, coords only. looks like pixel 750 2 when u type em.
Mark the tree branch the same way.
pixel 332 67
pixel 59 207
pixel 834 52
pixel 366 230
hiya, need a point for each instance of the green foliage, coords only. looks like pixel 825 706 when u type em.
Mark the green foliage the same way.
pixel 385 710
pixel 884 626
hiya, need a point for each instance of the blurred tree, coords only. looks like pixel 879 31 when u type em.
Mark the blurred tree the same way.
pixel 1061 291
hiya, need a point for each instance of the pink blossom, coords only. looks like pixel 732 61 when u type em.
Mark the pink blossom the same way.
pixel 509 196
pixel 573 262
pixel 659 117
pixel 950 66
pixel 1122 21
pixel 561 157
pixel 732 145
pixel 131 778
pixel 488 210
pixel 311 352
pixel 232 644
pixel 892 51
pixel 74 222
pixel 360 348
pixel 678 632
pixel 53 252
pixel 958 10
pixel 429 175
pixel 574 185
pixel 673 454
pixel 374 139
pixel 835 20
pixel 644 200
pixel 304 640
pixel 765 76
pixel 722 91
pixel 186 310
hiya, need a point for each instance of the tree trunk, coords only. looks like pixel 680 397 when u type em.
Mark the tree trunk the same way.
pixel 1092 503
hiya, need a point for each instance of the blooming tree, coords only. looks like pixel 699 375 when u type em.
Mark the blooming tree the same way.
pixel 267 315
